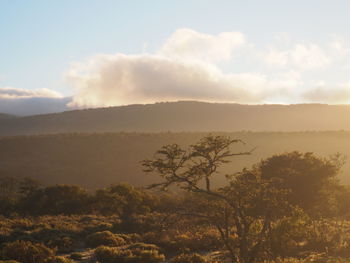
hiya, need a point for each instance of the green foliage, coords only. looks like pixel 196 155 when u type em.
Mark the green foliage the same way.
pixel 104 238
pixel 27 252
pixel 188 258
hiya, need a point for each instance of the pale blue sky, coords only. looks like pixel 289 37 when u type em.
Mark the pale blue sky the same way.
pixel 40 38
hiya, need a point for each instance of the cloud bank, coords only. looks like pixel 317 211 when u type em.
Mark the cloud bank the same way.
pixel 124 79
pixel 185 68
pixel 24 102
pixel 189 65
pixel 16 93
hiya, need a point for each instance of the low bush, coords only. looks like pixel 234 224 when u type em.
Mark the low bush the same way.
pixel 76 256
pixel 189 258
pixel 63 244
pixel 59 260
pixel 27 252
pixel 314 258
pixel 104 238
pixel 138 253
pixel 178 242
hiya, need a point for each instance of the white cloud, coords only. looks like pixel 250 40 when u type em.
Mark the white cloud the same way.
pixel 301 56
pixel 183 69
pixel 126 79
pixel 188 44
pixel 309 56
pixel 276 58
pixel 186 67
pixel 16 93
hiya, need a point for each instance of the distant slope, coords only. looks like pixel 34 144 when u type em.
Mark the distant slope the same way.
pixel 185 116
pixel 95 160
pixel 4 116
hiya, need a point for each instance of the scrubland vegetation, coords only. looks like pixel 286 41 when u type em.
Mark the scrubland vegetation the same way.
pixel 288 208
pixel 95 160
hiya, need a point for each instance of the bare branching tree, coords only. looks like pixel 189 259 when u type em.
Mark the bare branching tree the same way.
pixel 242 211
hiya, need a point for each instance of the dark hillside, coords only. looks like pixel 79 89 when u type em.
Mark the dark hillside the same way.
pixel 185 116
pixel 4 116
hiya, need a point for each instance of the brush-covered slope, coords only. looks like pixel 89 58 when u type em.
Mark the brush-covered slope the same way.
pixel 96 160
pixel 185 116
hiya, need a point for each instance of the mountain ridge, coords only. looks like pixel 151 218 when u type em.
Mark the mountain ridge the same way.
pixel 181 116
pixel 4 116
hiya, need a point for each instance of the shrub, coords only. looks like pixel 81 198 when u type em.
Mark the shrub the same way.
pixel 146 256
pixel 59 260
pixel 27 252
pixel 111 254
pixel 143 246
pixel 315 258
pixel 76 256
pixel 141 253
pixel 63 244
pixel 194 241
pixel 104 238
pixel 188 258
pixel 130 238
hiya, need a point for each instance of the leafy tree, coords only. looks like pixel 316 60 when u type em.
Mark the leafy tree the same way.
pixel 311 180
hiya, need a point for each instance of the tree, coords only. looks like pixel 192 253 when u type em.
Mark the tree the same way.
pixel 242 211
pixel 311 180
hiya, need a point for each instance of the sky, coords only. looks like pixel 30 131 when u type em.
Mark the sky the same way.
pixel 65 54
